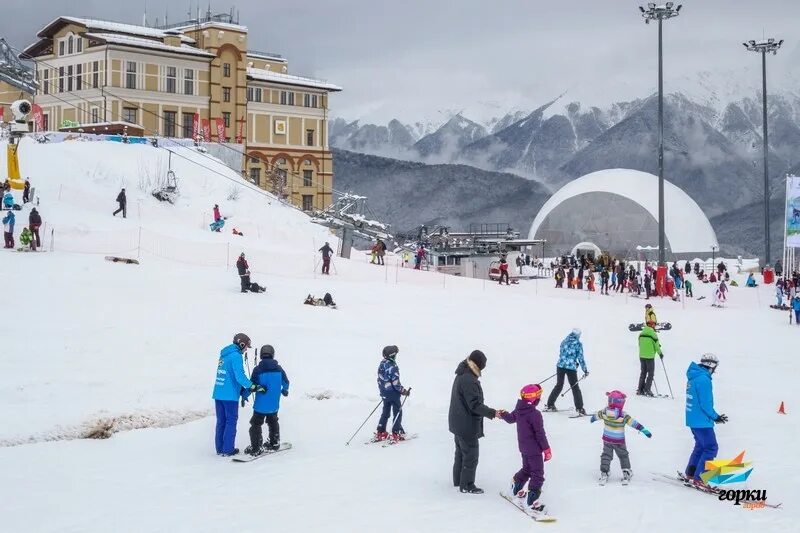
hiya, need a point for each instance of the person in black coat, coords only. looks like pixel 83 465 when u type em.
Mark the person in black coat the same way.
pixel 465 420
pixel 34 222
pixel 244 272
pixel 122 200
pixel 327 251
pixel 26 192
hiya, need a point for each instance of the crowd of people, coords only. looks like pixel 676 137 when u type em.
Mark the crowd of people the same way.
pixel 29 236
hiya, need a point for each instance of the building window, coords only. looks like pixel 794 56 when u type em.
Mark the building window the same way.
pixel 169 123
pixel 96 74
pixel 172 74
pixel 129 115
pixel 130 75
pixel 308 202
pixel 308 178
pixel 79 77
pixel 61 79
pixel 255 175
pixel 69 45
pixel 69 78
pixel 287 98
pixel 188 123
pixel 310 100
pixel 309 137
pixel 226 119
pixel 80 44
pixel 226 70
pixel 95 115
pixel 61 48
pixel 253 94
pixel 188 81
pixel 226 94
pixel 46 81
pixel 46 122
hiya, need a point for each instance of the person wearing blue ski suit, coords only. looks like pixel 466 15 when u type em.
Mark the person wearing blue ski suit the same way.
pixel 569 357
pixel 270 375
pixel 796 308
pixel 701 416
pixel 391 390
pixel 231 381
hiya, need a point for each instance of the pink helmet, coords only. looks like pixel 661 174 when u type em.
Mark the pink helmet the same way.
pixel 616 399
pixel 531 393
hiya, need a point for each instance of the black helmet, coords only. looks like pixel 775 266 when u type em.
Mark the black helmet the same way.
pixel 267 351
pixel 389 352
pixel 242 341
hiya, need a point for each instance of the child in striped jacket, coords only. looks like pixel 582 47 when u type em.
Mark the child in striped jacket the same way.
pixel 615 420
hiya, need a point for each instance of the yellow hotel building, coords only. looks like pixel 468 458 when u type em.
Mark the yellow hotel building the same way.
pixel 94 71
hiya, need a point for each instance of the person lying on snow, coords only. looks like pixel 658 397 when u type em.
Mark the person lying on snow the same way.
pixel 326 300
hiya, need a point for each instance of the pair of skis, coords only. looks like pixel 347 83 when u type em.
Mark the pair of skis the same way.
pixel 385 443
pixel 681 480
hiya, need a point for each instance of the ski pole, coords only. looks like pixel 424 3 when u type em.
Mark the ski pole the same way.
pixel 399 411
pixel 575 385
pixel 667 376
pixel 364 422
pixel 551 377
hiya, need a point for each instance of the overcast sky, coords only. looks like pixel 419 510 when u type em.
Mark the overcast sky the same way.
pixel 410 58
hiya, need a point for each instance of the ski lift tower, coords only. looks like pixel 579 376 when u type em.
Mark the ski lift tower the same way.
pixel 16 74
pixel 349 215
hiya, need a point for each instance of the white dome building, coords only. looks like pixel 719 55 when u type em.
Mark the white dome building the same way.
pixel 617 211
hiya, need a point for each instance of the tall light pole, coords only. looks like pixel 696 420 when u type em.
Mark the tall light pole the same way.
pixel 764 47
pixel 660 13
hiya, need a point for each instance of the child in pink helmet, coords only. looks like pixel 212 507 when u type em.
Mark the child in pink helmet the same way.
pixel 532 445
pixel 615 420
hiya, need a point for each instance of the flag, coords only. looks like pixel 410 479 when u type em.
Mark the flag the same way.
pixel 206 130
pixel 38 117
pixel 220 130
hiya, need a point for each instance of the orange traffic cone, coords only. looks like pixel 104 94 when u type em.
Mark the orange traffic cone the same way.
pixel 781 410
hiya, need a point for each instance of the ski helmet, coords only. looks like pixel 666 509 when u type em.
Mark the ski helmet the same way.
pixel 710 361
pixel 576 332
pixel 390 352
pixel 531 393
pixel 267 351
pixel 648 306
pixel 616 399
pixel 242 341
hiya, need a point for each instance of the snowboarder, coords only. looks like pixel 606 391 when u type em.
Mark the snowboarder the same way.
pixel 327 301
pixel 326 251
pixel 533 446
pixel 688 287
pixel 465 420
pixel 8 229
pixel 615 420
pixel 8 200
pixel 34 222
pixel 244 272
pixel 391 390
pixel 269 375
pixel 26 239
pixel 779 293
pixel 569 357
pixel 559 275
pixel 26 191
pixel 503 269
pixel 751 281
pixel 650 314
pixel 231 381
pixel 649 346
pixel 701 416
pixel 122 200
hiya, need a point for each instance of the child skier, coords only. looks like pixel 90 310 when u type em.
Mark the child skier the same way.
pixel 615 420
pixel 269 374
pixel 688 285
pixel 650 314
pixel 390 390
pixel 721 295
pixel 533 446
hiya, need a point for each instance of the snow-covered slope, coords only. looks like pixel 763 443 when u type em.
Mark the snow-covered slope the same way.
pixel 85 339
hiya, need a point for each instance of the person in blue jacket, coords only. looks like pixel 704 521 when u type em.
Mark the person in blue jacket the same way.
pixel 570 356
pixel 269 374
pixel 8 229
pixel 231 381
pixel 391 390
pixel 701 416
pixel 796 308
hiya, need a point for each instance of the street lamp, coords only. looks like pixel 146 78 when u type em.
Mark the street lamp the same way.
pixel 764 47
pixel 660 13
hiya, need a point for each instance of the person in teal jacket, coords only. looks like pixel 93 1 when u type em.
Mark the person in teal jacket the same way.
pixel 228 388
pixel 701 416
pixel 796 309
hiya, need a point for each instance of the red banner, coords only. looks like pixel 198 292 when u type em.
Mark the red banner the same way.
pixel 2 109
pixel 195 126
pixel 240 134
pixel 220 130
pixel 206 130
pixel 38 117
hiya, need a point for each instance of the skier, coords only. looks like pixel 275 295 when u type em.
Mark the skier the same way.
pixel 604 281
pixel 34 222
pixel 615 420
pixel 649 346
pixel 648 280
pixel 419 257
pixel 650 314
pixel 26 191
pixel 327 251
pixel 231 381
pixel 796 308
pixel 122 200
pixel 465 420
pixel 533 446
pixel 721 295
pixel 701 416
pixel 244 272
pixel 268 374
pixel 569 357
pixel 391 390
pixel 8 229
pixel 381 250
pixel 503 269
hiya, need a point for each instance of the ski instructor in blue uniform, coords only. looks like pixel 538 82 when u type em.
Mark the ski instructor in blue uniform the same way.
pixel 230 384
pixel 701 416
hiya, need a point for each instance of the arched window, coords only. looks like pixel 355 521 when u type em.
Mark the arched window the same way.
pixel 70 45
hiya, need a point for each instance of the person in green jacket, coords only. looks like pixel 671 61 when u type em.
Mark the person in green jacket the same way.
pixel 649 346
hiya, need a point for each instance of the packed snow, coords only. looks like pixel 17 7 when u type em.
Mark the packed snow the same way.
pixel 131 351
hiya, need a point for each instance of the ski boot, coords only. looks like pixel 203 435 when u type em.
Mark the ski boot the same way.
pixel 627 474
pixel 379 436
pixel 603 478
pixel 398 436
pixel 516 489
pixel 249 450
pixel 582 411
pixel 471 489
pixel 234 452
pixel 534 505
pixel 550 408
pixel 274 446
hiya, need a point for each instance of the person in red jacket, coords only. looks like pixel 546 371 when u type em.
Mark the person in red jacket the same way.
pixel 503 269
pixel 217 216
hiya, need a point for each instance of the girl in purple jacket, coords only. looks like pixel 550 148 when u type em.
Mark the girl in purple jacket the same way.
pixel 532 445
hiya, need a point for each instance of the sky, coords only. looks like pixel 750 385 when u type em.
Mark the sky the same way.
pixel 417 60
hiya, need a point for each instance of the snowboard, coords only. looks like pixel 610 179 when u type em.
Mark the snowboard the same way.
pixel 539 517
pixel 781 308
pixel 247 458
pixel 661 326
pixel 125 260
pixel 653 396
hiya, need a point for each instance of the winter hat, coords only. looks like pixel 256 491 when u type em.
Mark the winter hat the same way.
pixel 531 393
pixel 267 352
pixel 616 399
pixel 479 358
pixel 576 332
pixel 390 352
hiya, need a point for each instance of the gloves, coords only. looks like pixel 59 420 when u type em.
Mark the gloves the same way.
pixel 285 392
pixel 547 454
pixel 721 419
pixel 405 392
pixel 585 373
pixel 661 355
pixel 646 433
pixel 257 388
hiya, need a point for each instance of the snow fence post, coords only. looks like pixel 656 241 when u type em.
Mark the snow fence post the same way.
pixel 60 188
pixel 139 245
pixel 52 238
pixel 396 272
pixel 228 257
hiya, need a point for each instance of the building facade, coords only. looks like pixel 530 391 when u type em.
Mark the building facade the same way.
pixel 198 74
